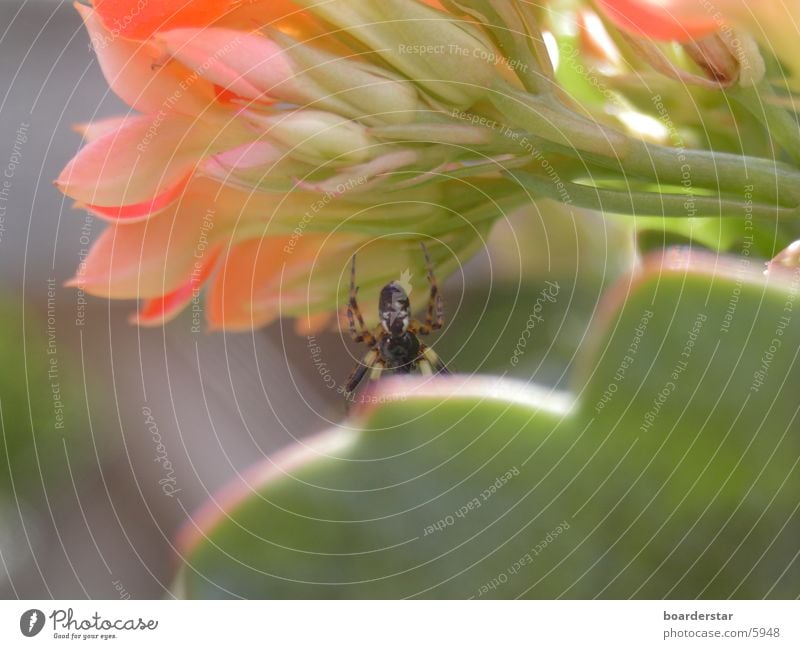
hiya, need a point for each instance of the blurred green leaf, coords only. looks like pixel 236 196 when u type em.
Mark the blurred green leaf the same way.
pixel 755 237
pixel 42 406
pixel 670 470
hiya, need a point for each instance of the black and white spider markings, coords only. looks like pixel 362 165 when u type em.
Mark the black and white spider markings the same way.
pixel 395 346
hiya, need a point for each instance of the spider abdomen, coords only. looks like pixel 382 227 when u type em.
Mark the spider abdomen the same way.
pixel 400 352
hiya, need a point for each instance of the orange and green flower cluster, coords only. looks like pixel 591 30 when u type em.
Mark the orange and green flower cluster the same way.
pixel 268 141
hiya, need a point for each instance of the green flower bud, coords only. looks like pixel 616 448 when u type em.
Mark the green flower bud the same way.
pixel 315 135
pixel 446 56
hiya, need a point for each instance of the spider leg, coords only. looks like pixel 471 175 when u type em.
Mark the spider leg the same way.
pixel 377 368
pixel 432 359
pixel 434 318
pixel 425 367
pixel 360 333
pixel 360 370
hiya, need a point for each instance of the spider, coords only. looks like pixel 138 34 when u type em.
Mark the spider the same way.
pixel 395 346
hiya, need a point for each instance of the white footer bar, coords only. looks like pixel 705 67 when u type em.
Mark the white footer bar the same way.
pixel 389 624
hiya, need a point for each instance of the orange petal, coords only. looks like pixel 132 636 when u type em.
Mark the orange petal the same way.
pixel 247 65
pixel 140 19
pixel 93 130
pixel 249 269
pixel 159 310
pixel 264 278
pixel 283 15
pixel 139 78
pixel 666 20
pixel 138 167
pixel 143 210
pixel 149 259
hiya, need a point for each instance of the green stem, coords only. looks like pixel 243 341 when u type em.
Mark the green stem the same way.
pixel 644 203
pixel 554 122
pixel 724 173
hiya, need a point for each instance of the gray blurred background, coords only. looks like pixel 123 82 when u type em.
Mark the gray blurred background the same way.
pixel 83 511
